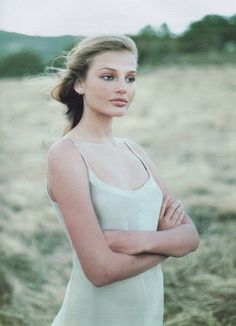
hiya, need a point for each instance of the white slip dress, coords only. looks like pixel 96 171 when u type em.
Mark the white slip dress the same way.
pixel 136 301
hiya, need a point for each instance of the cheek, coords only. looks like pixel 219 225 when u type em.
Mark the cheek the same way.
pixel 105 88
pixel 132 92
pixel 100 90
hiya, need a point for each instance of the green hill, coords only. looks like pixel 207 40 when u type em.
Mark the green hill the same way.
pixel 47 47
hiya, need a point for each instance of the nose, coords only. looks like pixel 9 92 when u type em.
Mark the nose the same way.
pixel 121 87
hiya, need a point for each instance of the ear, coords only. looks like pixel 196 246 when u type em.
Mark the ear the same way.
pixel 78 87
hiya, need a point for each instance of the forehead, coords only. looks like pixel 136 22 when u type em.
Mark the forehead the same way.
pixel 117 60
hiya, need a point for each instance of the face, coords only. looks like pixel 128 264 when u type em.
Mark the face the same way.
pixel 109 87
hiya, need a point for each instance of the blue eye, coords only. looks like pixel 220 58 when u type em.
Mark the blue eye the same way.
pixel 131 79
pixel 107 77
pixel 110 78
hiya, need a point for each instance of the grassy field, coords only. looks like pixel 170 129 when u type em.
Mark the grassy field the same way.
pixel 185 119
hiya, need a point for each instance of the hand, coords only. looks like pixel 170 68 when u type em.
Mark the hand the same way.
pixel 170 216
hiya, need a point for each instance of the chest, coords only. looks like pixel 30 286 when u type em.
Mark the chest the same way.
pixel 128 210
pixel 119 166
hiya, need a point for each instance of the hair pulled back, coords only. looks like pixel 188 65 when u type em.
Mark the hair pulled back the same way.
pixel 78 61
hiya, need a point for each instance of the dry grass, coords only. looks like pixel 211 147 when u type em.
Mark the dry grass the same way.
pixel 184 118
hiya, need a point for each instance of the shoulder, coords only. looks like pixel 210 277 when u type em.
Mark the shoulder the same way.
pixel 59 146
pixel 62 148
pixel 156 175
pixel 138 148
pixel 62 154
pixel 146 158
pixel 140 151
pixel 66 170
pixel 151 166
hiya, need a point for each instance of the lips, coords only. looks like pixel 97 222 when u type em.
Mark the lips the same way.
pixel 119 100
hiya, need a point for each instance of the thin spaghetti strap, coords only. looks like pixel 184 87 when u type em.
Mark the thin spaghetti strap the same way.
pixel 79 150
pixel 136 154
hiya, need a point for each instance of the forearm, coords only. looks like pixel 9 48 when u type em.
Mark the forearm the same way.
pixel 175 242
pixel 123 266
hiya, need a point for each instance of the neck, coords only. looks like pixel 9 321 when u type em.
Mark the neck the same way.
pixel 95 127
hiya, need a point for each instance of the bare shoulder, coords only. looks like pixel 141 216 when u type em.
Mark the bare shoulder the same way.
pixel 156 175
pixel 69 186
pixel 65 166
pixel 152 167
pixel 138 148
pixel 63 153
pixel 147 159
pixel 59 148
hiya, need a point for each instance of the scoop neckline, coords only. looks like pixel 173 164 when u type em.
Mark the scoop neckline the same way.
pixel 110 186
pixel 90 142
pixel 95 180
pixel 106 186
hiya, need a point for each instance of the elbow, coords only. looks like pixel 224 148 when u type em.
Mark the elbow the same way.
pixel 101 281
pixel 189 247
pixel 195 239
pixel 97 280
pixel 195 242
pixel 100 269
pixel 100 278
pixel 97 283
pixel 94 278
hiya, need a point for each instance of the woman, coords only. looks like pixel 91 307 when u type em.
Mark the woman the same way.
pixel 118 214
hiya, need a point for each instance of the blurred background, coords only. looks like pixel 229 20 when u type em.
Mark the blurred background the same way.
pixel 183 115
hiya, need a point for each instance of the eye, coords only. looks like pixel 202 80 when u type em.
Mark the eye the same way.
pixel 107 77
pixel 130 79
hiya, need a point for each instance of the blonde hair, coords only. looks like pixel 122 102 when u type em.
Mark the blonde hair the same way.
pixel 78 61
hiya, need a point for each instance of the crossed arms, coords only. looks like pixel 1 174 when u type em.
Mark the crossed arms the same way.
pixel 175 236
pixel 111 256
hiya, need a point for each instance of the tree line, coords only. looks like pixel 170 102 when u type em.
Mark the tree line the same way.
pixel 211 38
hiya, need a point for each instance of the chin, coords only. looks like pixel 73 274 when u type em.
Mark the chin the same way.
pixel 115 113
pixel 120 113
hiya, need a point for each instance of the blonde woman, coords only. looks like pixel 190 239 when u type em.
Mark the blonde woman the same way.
pixel 121 219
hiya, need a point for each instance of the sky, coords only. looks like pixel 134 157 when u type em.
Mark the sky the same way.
pixel 91 17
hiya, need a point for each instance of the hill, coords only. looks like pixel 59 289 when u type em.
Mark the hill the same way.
pixel 46 47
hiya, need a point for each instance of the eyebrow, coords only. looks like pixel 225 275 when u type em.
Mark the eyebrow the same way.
pixel 115 69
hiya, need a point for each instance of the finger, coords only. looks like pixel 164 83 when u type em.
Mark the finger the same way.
pixel 171 209
pixel 181 217
pixel 174 218
pixel 164 204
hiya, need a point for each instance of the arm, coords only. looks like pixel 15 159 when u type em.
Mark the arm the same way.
pixel 175 241
pixel 68 183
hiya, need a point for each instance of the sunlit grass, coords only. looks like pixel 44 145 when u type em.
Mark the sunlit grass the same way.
pixel 185 119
